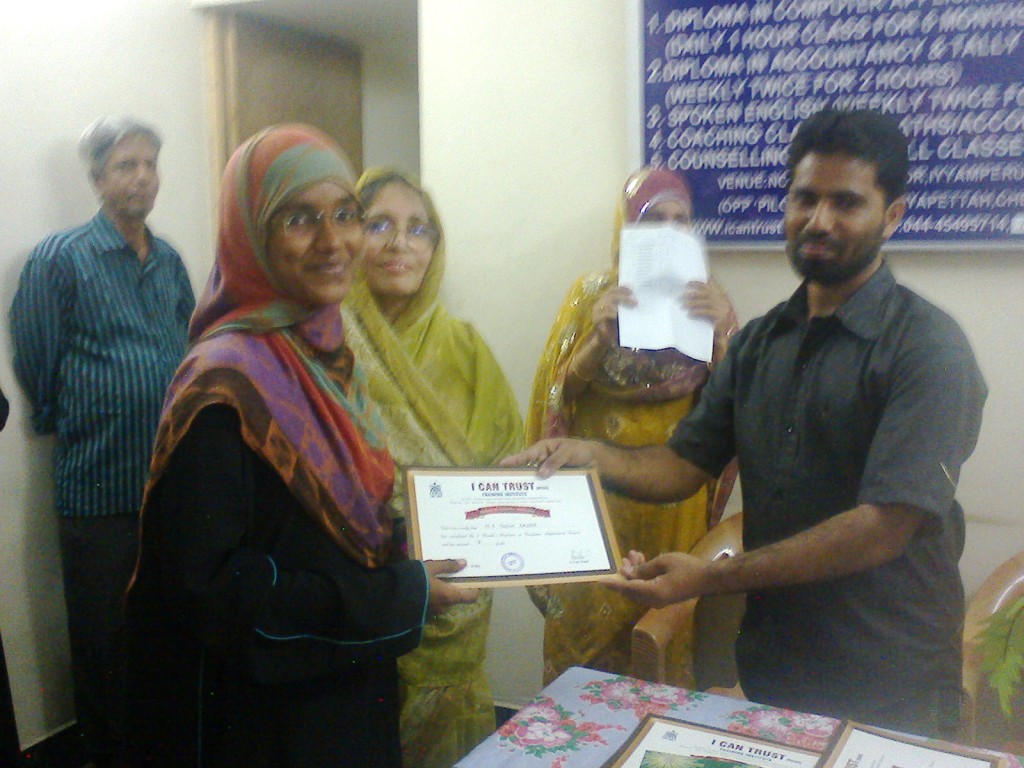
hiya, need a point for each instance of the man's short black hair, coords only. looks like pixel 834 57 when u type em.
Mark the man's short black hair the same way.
pixel 874 137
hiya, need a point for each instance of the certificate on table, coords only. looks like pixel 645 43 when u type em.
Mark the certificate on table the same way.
pixel 659 742
pixel 863 746
pixel 511 527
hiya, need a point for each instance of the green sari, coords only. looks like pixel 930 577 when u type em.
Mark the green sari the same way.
pixel 445 402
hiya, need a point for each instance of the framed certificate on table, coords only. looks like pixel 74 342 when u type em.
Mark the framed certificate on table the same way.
pixel 659 742
pixel 863 746
pixel 510 526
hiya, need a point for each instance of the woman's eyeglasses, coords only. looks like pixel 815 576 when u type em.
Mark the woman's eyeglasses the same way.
pixel 418 234
pixel 678 212
pixel 307 223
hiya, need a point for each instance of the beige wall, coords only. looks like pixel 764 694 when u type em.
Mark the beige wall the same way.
pixel 523 142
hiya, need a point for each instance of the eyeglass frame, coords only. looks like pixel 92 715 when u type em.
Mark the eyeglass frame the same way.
pixel 316 225
pixel 426 240
pixel 648 208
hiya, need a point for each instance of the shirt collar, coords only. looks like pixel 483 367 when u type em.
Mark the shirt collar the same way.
pixel 861 313
pixel 109 237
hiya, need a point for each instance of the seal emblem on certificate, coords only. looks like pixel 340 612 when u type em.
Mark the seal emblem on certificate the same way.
pixel 511 527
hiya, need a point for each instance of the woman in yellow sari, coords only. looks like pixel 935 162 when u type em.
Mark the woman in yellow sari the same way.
pixel 444 401
pixel 587 386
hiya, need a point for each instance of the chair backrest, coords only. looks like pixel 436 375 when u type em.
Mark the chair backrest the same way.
pixel 716 621
pixel 711 623
pixel 716 627
pixel 984 723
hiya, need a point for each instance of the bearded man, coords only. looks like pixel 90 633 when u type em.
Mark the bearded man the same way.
pixel 851 407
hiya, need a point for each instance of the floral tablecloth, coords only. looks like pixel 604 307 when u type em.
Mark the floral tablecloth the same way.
pixel 584 716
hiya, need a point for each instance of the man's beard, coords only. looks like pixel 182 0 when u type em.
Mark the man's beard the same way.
pixel 831 272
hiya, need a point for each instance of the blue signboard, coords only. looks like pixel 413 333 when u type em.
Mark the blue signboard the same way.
pixel 725 85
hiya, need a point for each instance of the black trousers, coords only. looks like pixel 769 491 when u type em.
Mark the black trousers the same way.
pixel 98 555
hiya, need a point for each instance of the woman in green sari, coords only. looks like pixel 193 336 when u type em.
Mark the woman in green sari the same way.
pixel 445 402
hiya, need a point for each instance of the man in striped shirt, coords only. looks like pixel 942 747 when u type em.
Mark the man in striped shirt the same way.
pixel 99 325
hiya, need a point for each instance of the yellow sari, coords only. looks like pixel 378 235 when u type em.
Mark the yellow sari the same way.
pixel 636 399
pixel 445 402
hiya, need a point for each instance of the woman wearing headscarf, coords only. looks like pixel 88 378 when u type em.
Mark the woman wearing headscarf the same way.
pixel 588 386
pixel 444 401
pixel 271 600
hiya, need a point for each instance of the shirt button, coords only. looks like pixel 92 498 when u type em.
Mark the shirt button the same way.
pixel 789 429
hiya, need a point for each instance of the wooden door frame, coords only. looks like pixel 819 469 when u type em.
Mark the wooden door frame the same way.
pixel 227 40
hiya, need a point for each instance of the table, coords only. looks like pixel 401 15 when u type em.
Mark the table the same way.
pixel 584 716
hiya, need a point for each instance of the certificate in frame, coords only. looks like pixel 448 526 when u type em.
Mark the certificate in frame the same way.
pixel 856 745
pixel 661 742
pixel 512 527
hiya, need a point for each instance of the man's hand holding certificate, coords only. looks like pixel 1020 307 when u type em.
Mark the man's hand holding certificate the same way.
pixel 511 526
pixel 656 262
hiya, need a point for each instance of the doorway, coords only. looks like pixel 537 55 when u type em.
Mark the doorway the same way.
pixel 264 73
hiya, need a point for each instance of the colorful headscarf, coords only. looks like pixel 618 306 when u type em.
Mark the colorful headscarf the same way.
pixel 283 367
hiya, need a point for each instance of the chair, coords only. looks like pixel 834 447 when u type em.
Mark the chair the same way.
pixel 984 724
pixel 711 622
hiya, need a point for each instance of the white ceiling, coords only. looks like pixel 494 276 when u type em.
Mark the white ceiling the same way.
pixel 382 24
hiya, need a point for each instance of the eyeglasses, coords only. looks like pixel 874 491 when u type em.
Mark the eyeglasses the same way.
pixel 305 223
pixel 656 217
pixel 418 234
pixel 651 211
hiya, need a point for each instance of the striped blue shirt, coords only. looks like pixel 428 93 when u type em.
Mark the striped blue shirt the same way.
pixel 97 337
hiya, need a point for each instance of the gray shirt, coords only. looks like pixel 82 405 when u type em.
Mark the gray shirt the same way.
pixel 878 404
